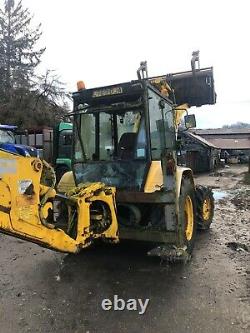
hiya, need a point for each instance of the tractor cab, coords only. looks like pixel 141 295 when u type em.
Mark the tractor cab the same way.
pixel 118 131
pixel 121 129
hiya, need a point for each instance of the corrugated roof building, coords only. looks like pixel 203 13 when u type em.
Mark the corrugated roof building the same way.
pixel 198 153
pixel 226 138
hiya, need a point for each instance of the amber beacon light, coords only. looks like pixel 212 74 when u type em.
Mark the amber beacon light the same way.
pixel 80 85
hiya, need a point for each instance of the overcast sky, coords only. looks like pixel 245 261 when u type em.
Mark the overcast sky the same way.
pixel 103 41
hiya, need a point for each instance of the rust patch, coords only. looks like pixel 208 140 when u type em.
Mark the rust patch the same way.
pixel 25 200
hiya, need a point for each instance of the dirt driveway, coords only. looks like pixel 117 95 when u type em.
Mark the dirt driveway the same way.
pixel 44 291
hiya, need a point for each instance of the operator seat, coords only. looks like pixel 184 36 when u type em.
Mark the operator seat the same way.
pixel 126 146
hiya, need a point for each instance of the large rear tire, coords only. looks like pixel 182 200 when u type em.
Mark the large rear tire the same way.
pixel 205 207
pixel 187 214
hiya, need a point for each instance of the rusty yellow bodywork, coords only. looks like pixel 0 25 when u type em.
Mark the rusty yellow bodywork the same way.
pixel 25 203
pixel 154 181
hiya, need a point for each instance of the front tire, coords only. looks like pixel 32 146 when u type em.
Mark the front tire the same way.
pixel 187 215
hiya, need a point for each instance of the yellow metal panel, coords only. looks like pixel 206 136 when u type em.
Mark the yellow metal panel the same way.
pixel 154 179
pixel 66 183
pixel 180 172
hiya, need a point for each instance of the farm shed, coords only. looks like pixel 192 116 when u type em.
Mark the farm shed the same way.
pixel 197 153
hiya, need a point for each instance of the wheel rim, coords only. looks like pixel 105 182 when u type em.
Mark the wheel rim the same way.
pixel 206 209
pixel 189 215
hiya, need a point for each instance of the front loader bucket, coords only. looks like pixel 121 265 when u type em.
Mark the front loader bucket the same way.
pixel 196 88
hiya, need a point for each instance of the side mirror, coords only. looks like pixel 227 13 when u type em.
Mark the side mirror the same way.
pixel 190 121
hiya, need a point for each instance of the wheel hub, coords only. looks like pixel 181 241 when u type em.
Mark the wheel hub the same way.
pixel 189 215
pixel 206 209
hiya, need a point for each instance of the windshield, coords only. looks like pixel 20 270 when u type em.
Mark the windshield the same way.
pixel 6 137
pixel 111 148
pixel 105 136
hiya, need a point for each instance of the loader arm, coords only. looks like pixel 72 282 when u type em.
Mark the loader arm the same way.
pixel 25 207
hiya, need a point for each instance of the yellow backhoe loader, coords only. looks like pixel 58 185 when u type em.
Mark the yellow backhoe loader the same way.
pixel 125 182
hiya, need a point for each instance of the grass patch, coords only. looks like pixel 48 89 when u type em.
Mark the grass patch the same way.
pixel 246 179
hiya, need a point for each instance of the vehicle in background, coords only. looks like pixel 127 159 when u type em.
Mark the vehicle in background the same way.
pixel 53 145
pixel 62 148
pixel 8 142
pixel 243 158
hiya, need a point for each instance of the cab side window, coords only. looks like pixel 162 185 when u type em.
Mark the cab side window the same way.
pixel 162 132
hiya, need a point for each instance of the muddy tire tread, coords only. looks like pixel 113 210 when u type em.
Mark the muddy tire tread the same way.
pixel 202 192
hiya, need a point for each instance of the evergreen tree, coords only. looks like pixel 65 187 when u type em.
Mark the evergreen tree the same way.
pixel 26 100
pixel 18 56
